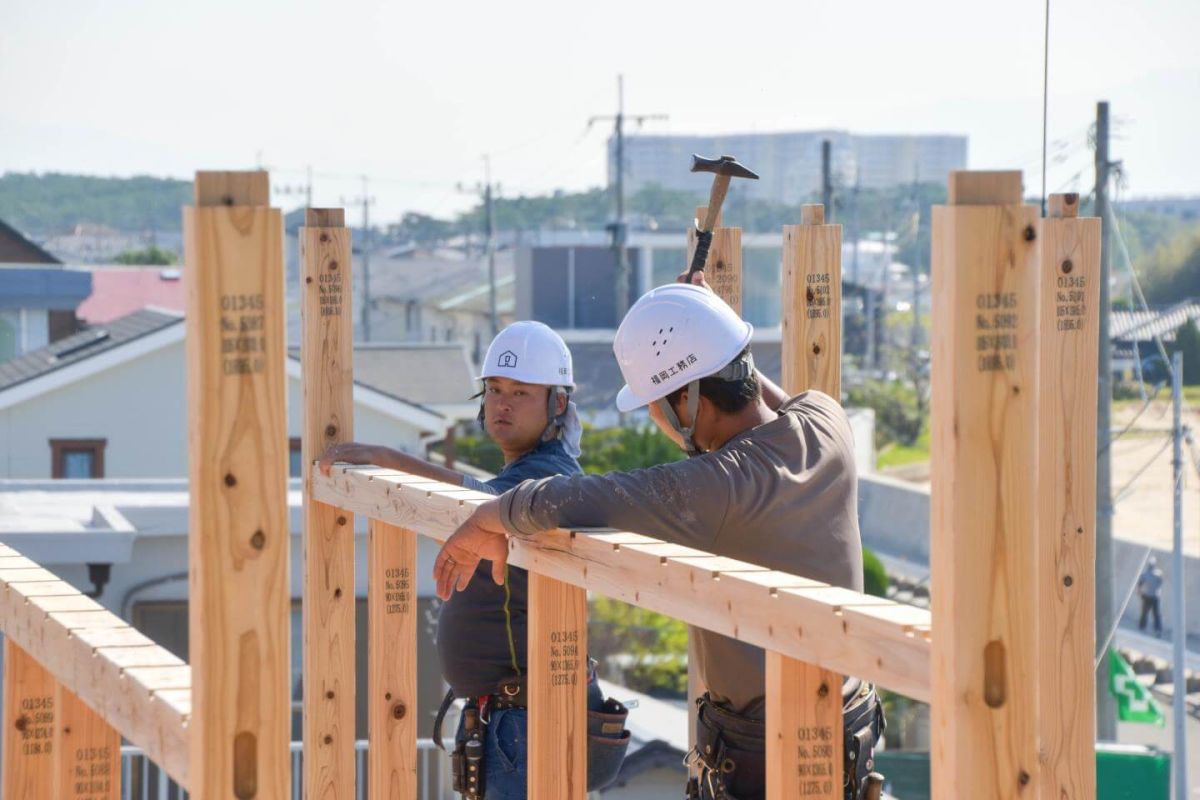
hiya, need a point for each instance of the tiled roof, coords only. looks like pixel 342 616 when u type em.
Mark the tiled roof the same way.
pixel 85 344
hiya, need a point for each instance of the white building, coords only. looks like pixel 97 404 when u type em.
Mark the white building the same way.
pixel 789 163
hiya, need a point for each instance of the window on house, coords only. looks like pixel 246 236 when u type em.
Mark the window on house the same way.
pixel 77 458
pixel 295 459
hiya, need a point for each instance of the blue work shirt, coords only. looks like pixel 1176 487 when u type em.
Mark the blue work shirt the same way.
pixel 481 636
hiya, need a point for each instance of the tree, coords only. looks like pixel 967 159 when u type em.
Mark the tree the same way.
pixel 152 255
pixel 1187 341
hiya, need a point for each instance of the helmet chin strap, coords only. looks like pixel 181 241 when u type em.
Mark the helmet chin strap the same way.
pixel 693 405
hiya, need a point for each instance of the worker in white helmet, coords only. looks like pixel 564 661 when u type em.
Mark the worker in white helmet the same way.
pixel 526 409
pixel 771 481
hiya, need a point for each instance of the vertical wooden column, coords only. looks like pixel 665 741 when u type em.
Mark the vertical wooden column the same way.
pixel 30 717
pixel 239 595
pixel 723 272
pixel 87 749
pixel 392 663
pixel 1066 510
pixel 804 702
pixel 557 690
pixel 723 269
pixel 985 474
pixel 327 354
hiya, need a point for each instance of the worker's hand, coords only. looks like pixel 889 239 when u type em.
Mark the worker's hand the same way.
pixel 349 453
pixel 697 279
pixel 482 536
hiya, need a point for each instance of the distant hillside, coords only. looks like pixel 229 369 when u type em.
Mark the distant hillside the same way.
pixel 52 203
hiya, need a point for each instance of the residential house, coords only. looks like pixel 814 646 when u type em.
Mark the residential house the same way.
pixel 93 466
pixel 38 295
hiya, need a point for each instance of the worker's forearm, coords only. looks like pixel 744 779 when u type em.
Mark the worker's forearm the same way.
pixel 773 396
pixel 394 459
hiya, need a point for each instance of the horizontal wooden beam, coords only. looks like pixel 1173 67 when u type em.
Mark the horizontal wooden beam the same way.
pixel 837 629
pixel 137 687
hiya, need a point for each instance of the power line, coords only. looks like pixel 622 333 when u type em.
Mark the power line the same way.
pixel 1120 495
pixel 618 228
pixel 1045 102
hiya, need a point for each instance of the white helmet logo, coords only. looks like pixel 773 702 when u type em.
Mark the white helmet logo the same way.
pixel 507 359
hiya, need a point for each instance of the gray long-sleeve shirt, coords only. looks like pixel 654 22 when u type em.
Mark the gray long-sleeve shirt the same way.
pixel 783 495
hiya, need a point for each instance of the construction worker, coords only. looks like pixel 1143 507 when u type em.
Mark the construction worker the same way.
pixel 481 639
pixel 771 481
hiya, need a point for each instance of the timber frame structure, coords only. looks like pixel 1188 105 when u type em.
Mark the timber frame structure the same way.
pixel 1007 667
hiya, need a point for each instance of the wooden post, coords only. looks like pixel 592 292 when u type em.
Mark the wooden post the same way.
pixel 87 749
pixel 804 702
pixel 723 269
pixel 984 474
pixel 239 597
pixel 29 723
pixel 392 663
pixel 723 272
pixel 1066 510
pixel 327 355
pixel 557 657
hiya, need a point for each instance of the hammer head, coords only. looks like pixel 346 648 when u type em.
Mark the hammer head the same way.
pixel 725 165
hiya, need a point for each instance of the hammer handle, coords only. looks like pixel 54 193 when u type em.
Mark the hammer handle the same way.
pixel 700 256
pixel 716 198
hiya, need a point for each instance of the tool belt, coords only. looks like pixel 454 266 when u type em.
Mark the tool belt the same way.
pixel 608 740
pixel 730 754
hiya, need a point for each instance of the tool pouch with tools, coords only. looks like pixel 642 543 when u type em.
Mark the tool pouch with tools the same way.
pixel 466 762
pixel 730 754
pixel 608 740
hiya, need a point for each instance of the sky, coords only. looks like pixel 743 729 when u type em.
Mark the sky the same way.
pixel 413 95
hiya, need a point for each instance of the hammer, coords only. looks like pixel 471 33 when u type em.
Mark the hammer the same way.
pixel 723 169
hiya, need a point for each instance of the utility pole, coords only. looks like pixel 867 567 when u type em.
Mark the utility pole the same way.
pixel 618 228
pixel 827 179
pixel 491 242
pixel 1178 621
pixel 366 200
pixel 1106 714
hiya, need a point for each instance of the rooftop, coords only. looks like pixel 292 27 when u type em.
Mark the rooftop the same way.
pixel 85 344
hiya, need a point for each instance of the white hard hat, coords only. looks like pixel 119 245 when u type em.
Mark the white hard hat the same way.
pixel 674 335
pixel 529 352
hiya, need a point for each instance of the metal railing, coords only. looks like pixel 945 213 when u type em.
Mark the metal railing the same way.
pixel 142 779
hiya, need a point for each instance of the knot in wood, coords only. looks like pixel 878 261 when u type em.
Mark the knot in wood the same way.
pixel 22 723
pixel 333 265
pixel 808 294
pixel 258 540
pixel 230 480
pixel 341 520
pixel 1068 580
pixel 328 739
pixel 399 710
pixel 1030 233
pixel 823 691
pixel 816 349
pixel 308 279
pixel 331 430
pixel 1067 266
pixel 324 237
pixel 337 593
pixel 1023 777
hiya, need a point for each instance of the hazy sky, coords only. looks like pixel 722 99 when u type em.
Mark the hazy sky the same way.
pixel 413 93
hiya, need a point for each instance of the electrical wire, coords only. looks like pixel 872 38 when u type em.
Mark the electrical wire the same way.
pixel 1045 102
pixel 1129 484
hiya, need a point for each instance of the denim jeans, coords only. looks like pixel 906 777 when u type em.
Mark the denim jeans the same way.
pixel 506 749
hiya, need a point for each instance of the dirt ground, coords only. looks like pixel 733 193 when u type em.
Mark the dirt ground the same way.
pixel 1141 476
pixel 1143 503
